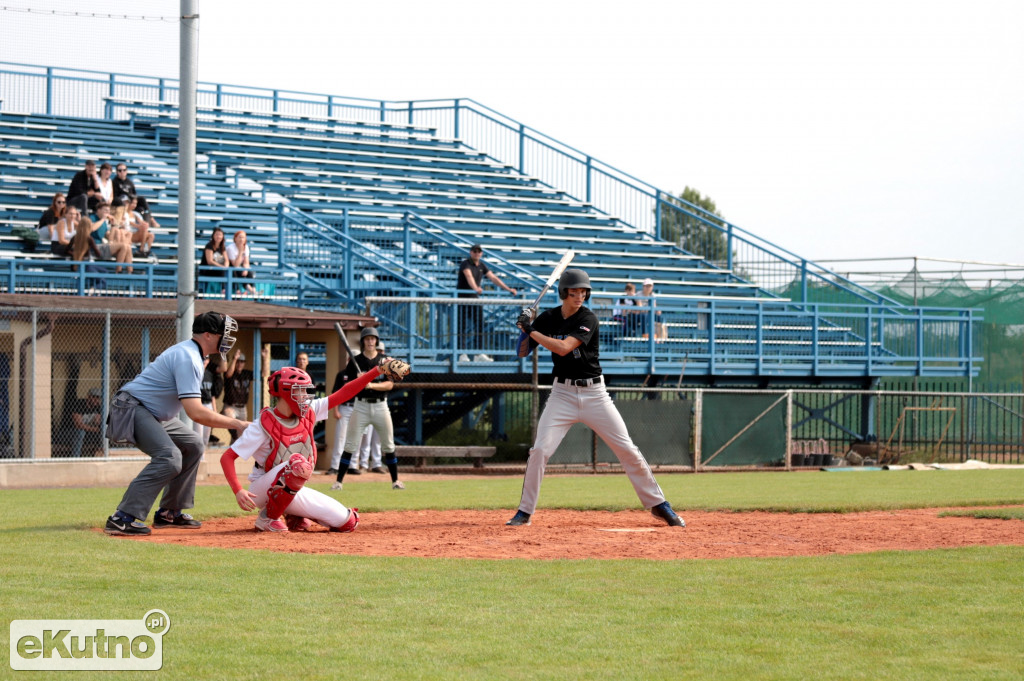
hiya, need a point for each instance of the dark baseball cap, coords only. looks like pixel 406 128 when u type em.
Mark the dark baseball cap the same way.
pixel 476 247
pixel 209 322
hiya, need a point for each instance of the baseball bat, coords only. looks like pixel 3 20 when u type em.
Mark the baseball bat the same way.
pixel 348 354
pixel 555 274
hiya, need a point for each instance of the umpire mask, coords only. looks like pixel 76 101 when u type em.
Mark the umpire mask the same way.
pixel 227 339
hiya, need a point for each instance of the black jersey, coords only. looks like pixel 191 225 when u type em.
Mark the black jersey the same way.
pixel 365 364
pixel 581 362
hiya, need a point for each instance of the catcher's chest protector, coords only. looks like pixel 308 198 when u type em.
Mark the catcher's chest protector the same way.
pixel 285 440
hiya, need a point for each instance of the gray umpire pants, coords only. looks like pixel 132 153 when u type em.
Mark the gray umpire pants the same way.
pixel 175 451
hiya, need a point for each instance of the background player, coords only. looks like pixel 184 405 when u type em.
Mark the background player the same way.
pixel 579 395
pixel 371 408
pixel 283 450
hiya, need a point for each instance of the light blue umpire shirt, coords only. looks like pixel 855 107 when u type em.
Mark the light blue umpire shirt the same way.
pixel 173 376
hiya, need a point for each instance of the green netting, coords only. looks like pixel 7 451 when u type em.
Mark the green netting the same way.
pixel 1002 333
pixel 1001 338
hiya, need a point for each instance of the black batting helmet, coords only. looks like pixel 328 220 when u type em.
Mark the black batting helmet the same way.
pixel 573 278
pixel 369 331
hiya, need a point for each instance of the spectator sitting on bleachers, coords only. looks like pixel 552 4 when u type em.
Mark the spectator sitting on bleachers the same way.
pixel 101 221
pixel 84 245
pixel 140 227
pixel 51 216
pixel 124 186
pixel 660 330
pixel 84 186
pixel 106 186
pixel 215 261
pixel 120 232
pixel 625 311
pixel 64 232
pixel 238 255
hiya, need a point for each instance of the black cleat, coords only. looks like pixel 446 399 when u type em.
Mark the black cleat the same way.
pixel 665 512
pixel 119 527
pixel 172 519
pixel 520 518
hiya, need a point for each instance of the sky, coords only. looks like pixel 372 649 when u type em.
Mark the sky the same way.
pixel 836 130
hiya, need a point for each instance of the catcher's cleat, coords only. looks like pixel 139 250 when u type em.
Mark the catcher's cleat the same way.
pixel 520 518
pixel 397 484
pixel 296 523
pixel 665 512
pixel 265 524
pixel 118 526
pixel 167 518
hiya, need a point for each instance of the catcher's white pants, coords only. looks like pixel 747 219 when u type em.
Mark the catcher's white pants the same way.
pixel 593 407
pixel 307 503
pixel 340 434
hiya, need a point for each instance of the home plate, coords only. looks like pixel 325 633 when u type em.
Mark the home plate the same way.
pixel 642 529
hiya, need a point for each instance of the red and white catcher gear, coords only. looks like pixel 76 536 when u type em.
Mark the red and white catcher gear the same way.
pixel 286 441
pixel 288 482
pixel 351 524
pixel 294 386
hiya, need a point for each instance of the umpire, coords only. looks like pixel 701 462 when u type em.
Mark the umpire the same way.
pixel 145 413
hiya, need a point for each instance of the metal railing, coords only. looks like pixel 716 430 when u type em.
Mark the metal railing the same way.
pixel 639 205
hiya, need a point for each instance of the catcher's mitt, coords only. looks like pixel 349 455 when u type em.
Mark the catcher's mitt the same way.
pixel 395 369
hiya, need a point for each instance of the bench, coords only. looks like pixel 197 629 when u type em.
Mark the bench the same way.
pixel 422 453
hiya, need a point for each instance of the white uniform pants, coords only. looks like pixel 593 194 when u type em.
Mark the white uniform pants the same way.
pixel 369 449
pixel 203 431
pixel 340 434
pixel 376 414
pixel 593 407
pixel 308 503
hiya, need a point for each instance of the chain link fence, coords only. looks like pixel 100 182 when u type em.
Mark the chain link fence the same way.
pixel 61 367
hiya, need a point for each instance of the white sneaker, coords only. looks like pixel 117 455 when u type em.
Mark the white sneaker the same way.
pixel 397 484
pixel 335 485
pixel 483 358
pixel 265 524
pixel 464 358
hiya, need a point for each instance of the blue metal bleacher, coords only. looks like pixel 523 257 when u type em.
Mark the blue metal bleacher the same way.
pixel 341 210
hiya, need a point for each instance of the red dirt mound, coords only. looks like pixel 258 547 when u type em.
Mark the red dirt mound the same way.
pixel 558 534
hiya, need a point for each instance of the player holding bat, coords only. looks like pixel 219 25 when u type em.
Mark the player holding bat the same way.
pixel 578 395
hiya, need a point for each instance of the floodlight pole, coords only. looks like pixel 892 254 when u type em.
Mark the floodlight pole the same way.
pixel 187 84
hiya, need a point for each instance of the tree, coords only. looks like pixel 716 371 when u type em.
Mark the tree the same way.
pixel 693 229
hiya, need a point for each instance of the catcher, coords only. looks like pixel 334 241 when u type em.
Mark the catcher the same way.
pixel 283 450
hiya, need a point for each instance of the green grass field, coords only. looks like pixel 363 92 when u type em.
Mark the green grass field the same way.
pixel 943 614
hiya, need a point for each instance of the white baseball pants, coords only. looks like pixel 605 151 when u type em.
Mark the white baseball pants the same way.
pixel 308 503
pixel 592 406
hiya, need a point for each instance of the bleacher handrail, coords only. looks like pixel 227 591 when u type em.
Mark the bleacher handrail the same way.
pixel 645 201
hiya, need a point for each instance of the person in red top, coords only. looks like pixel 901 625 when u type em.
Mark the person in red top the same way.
pixel 283 450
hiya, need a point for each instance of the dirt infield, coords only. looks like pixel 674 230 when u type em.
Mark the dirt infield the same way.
pixel 557 534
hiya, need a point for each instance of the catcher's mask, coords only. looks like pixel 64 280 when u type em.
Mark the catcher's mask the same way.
pixel 294 386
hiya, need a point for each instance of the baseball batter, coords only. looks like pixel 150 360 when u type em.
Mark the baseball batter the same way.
pixel 283 450
pixel 579 395
pixel 371 409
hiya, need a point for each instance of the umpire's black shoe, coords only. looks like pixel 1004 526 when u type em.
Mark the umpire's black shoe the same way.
pixel 520 518
pixel 665 512
pixel 172 519
pixel 118 526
